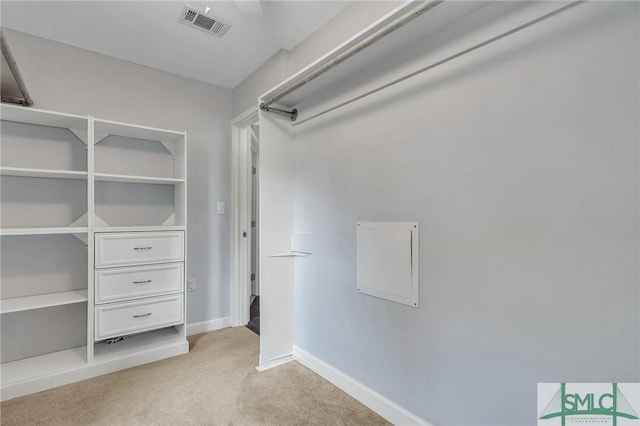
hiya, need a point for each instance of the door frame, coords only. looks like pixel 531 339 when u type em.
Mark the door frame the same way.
pixel 254 194
pixel 240 291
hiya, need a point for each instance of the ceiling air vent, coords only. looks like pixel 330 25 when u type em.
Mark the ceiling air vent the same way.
pixel 203 22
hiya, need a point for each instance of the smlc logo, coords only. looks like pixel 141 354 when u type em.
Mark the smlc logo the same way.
pixel 588 404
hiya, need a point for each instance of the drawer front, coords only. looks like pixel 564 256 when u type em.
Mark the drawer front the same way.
pixel 134 282
pixel 137 248
pixel 120 319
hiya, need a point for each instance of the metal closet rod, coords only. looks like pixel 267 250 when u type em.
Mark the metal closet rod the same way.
pixel 423 7
pixel 13 66
pixel 447 59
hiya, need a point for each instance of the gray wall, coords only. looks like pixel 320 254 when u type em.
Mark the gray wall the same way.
pixel 520 162
pixel 67 79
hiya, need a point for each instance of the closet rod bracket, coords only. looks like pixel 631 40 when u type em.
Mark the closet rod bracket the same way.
pixel 293 114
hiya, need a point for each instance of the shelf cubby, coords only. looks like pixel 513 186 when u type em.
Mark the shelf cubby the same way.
pixel 127 204
pixel 104 352
pixel 38 202
pixel 128 153
pixel 35 140
pixel 37 332
pixel 41 266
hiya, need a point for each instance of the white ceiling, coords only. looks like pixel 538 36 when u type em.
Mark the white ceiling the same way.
pixel 148 32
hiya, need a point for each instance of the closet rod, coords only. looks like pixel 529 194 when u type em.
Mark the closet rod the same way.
pixel 423 7
pixel 13 66
pixel 445 60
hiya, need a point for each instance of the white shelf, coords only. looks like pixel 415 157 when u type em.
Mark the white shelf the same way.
pixel 140 228
pixel 43 118
pixel 43 365
pixel 45 230
pixel 28 303
pixel 106 177
pixel 107 127
pixel 132 345
pixel 290 254
pixel 42 173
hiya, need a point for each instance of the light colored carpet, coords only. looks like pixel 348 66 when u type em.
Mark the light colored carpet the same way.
pixel 214 384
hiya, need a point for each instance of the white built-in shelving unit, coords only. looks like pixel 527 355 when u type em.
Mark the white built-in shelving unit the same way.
pixel 67 181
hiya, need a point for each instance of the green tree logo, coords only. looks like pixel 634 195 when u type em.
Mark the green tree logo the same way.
pixel 564 405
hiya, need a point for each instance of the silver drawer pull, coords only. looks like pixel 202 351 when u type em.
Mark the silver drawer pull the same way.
pixel 142 248
pixel 142 282
pixel 142 315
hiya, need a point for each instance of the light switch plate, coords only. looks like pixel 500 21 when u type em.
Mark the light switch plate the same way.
pixel 220 207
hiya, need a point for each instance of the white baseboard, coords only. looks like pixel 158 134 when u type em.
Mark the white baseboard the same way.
pixel 367 396
pixel 211 325
pixel 265 365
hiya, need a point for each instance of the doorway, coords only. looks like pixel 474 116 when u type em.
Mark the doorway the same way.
pixel 254 300
pixel 245 230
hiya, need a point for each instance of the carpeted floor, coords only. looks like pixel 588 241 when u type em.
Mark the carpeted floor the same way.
pixel 214 384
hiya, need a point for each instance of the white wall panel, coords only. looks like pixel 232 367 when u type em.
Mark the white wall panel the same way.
pixel 276 227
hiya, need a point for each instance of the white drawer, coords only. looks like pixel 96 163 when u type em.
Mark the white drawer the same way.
pixel 134 282
pixel 137 248
pixel 120 319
